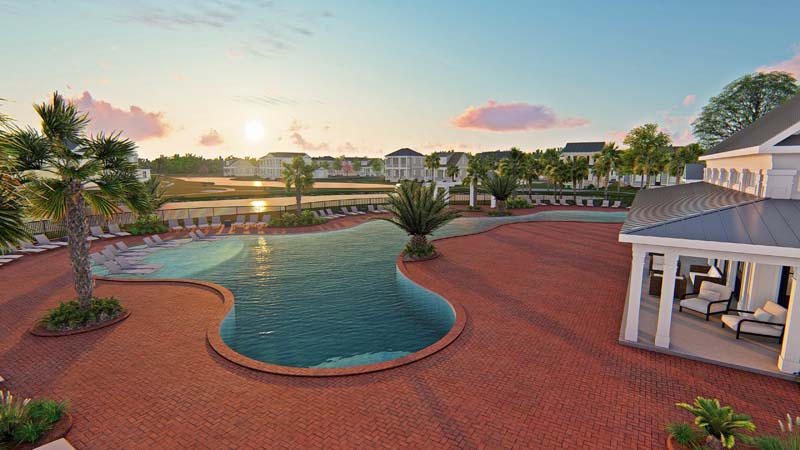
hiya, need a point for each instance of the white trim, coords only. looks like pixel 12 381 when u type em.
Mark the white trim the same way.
pixel 782 135
pixel 732 153
pixel 778 255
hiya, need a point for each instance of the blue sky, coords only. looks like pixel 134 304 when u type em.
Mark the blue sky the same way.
pixel 362 77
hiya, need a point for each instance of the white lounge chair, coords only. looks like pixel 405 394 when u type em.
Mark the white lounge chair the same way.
pixel 265 219
pixel 98 258
pixel 9 256
pixel 317 216
pixel 43 240
pixel 605 204
pixel 125 263
pixel 333 215
pixel 355 210
pixel 347 212
pixel 252 221
pixel 202 222
pixel 115 230
pixel 712 299
pixel 238 223
pixel 589 202
pixel 173 225
pixel 129 252
pixel 98 232
pixel 206 237
pixel 538 202
pixel 115 269
pixel 188 223
pixel 216 222
pixel 160 241
pixel 617 204
pixel 124 248
pixel 371 209
pixel 27 245
pixel 769 320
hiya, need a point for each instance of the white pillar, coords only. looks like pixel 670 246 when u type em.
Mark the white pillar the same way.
pixel 789 359
pixel 447 194
pixel 763 282
pixel 667 297
pixel 472 195
pixel 494 202
pixel 634 295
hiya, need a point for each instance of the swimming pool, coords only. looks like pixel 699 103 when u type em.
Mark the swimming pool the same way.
pixel 332 299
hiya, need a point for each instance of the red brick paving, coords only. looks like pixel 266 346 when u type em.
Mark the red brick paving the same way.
pixel 537 366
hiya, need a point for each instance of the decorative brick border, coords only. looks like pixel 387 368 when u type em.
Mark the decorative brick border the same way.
pixel 40 331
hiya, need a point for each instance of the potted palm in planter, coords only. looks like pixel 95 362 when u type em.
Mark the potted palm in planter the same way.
pixel 419 210
pixel 715 427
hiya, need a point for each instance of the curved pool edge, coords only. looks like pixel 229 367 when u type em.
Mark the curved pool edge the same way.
pixel 219 346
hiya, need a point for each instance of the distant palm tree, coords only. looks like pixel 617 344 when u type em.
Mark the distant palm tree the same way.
pixel 578 167
pixel 559 172
pixel 419 210
pixel 452 171
pixel 512 165
pixel 531 169
pixel 432 163
pixel 501 187
pixel 682 156
pixel 299 175
pixel 477 166
pixel 608 160
pixel 550 159
pixel 156 195
pixel 92 172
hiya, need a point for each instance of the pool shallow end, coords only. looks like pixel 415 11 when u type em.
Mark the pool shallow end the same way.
pixel 214 338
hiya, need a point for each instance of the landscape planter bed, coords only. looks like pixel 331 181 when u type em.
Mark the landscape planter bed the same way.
pixel 59 430
pixel 39 330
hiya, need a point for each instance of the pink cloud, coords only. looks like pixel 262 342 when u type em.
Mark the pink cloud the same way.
pixel 616 136
pixel 791 65
pixel 300 141
pixel 135 123
pixel 211 138
pixel 513 117
pixel 689 99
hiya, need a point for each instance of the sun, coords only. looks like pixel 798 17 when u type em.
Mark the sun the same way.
pixel 254 130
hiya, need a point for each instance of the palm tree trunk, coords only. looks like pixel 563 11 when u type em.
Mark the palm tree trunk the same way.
pixel 418 242
pixel 501 206
pixel 530 189
pixel 575 190
pixel 77 230
pixel 608 178
pixel 298 196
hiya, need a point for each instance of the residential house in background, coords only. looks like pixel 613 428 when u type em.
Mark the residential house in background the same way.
pixel 324 166
pixel 404 164
pixel 271 164
pixel 722 246
pixel 587 150
pixel 446 159
pixel 238 167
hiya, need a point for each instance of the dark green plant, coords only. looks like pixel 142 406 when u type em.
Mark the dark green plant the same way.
pixel 70 316
pixel 473 208
pixel 498 213
pixel 147 225
pixel 685 434
pixel 419 210
pixel 788 439
pixel 300 176
pixel 288 219
pixel 428 250
pixel 26 420
pixel 721 423
pixel 501 187
pixel 517 203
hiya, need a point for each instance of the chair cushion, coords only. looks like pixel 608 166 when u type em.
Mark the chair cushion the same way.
pixel 732 322
pixel 701 305
pixel 711 296
pixel 762 315
pixel 724 291
pixel 713 272
pixel 778 312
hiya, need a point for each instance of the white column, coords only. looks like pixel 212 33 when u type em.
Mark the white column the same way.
pixel 471 195
pixel 494 202
pixel 634 295
pixel 447 194
pixel 789 359
pixel 764 280
pixel 667 297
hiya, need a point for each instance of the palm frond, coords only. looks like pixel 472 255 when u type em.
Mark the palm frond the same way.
pixel 47 198
pixel 418 209
pixel 500 186
pixel 115 153
pixel 26 147
pixel 61 120
pixel 12 226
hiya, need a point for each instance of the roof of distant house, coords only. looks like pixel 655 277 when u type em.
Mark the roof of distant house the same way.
pixel 323 158
pixel 453 158
pixel 404 152
pixel 497 154
pixel 583 147
pixel 764 128
pixel 230 162
pixel 284 155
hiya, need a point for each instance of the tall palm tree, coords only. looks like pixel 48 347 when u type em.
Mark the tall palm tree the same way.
pixel 501 187
pixel 12 226
pixel 607 161
pixel 512 165
pixel 452 171
pixel 419 210
pixel 80 172
pixel 299 175
pixel 477 166
pixel 550 159
pixel 682 156
pixel 432 163
pixel 531 169
pixel 578 168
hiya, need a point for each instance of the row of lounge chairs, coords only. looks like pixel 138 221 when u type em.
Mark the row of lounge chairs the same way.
pixel 253 220
pixel 344 212
pixel 588 202
pixel 121 259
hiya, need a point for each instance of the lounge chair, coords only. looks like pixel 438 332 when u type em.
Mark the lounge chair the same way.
pixel 371 209
pixel 115 269
pixel 114 229
pixel 538 202
pixel 252 221
pixel 128 252
pixel 98 258
pixel 160 241
pixel 216 222
pixel 382 210
pixel 238 223
pixel 202 222
pixel 347 212
pixel 124 248
pixel 699 274
pixel 317 216
pixel 8 256
pixel 27 245
pixel 769 321
pixel 265 220
pixel 91 238
pixel 43 240
pixel 617 204
pixel 173 225
pixel 125 263
pixel 589 202
pixel 204 236
pixel 712 299
pixel 196 238
pixel 332 214
pixel 356 210
pixel 98 232
pixel 605 204
pixel 188 223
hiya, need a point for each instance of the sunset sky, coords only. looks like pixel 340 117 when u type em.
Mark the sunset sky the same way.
pixel 366 78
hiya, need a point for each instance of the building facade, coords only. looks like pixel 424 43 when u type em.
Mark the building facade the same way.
pixel 239 168
pixel 404 164
pixel 270 165
pixel 588 150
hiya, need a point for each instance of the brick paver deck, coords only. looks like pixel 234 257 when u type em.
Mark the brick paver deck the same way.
pixel 537 366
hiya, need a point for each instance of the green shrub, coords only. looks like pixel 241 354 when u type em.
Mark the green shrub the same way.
pixel 498 213
pixel 293 220
pixel 25 420
pixel 720 423
pixel 517 203
pixel 473 208
pixel 423 252
pixel 685 434
pixel 147 225
pixel 789 439
pixel 70 316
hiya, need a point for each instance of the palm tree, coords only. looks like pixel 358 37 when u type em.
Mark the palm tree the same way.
pixel 299 175
pixel 689 154
pixel 512 165
pixel 649 145
pixel 578 168
pixel 607 161
pixel 156 195
pixel 501 187
pixel 531 169
pixel 452 171
pixel 558 172
pixel 550 158
pixel 12 227
pixel 419 210
pixel 82 172
pixel 432 163
pixel 477 166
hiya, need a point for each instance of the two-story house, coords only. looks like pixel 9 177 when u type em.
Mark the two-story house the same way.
pixel 270 165
pixel 404 164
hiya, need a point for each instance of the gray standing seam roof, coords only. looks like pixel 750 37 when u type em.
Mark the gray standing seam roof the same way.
pixel 404 152
pixel 765 128
pixel 583 147
pixel 705 212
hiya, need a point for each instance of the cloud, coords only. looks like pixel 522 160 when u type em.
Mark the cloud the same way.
pixel 513 117
pixel 689 99
pixel 347 147
pixel 134 123
pixel 211 138
pixel 616 136
pixel 267 100
pixel 791 65
pixel 300 141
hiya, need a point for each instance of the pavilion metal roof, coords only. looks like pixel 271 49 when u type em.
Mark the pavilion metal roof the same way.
pixel 583 147
pixel 706 212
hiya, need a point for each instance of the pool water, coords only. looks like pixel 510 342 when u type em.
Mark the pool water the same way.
pixel 332 299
